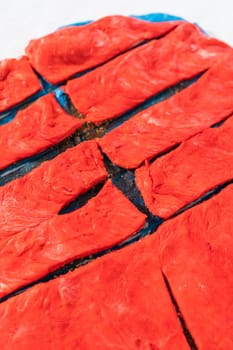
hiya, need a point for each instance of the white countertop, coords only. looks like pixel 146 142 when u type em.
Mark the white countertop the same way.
pixel 23 20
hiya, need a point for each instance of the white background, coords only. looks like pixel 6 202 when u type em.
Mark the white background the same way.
pixel 23 20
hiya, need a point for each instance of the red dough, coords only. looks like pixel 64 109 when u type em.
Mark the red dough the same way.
pixel 196 255
pixel 70 50
pixel 17 82
pixel 172 290
pixel 103 222
pixel 41 125
pixel 28 201
pixel 163 125
pixel 129 79
pixel 197 166
pixel 119 301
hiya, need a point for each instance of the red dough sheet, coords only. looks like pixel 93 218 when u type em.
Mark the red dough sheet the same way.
pixel 197 166
pixel 139 161
pixel 196 255
pixel 129 79
pixel 28 201
pixel 117 302
pixel 73 49
pixel 104 221
pixel 17 82
pixel 41 125
pixel 165 124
